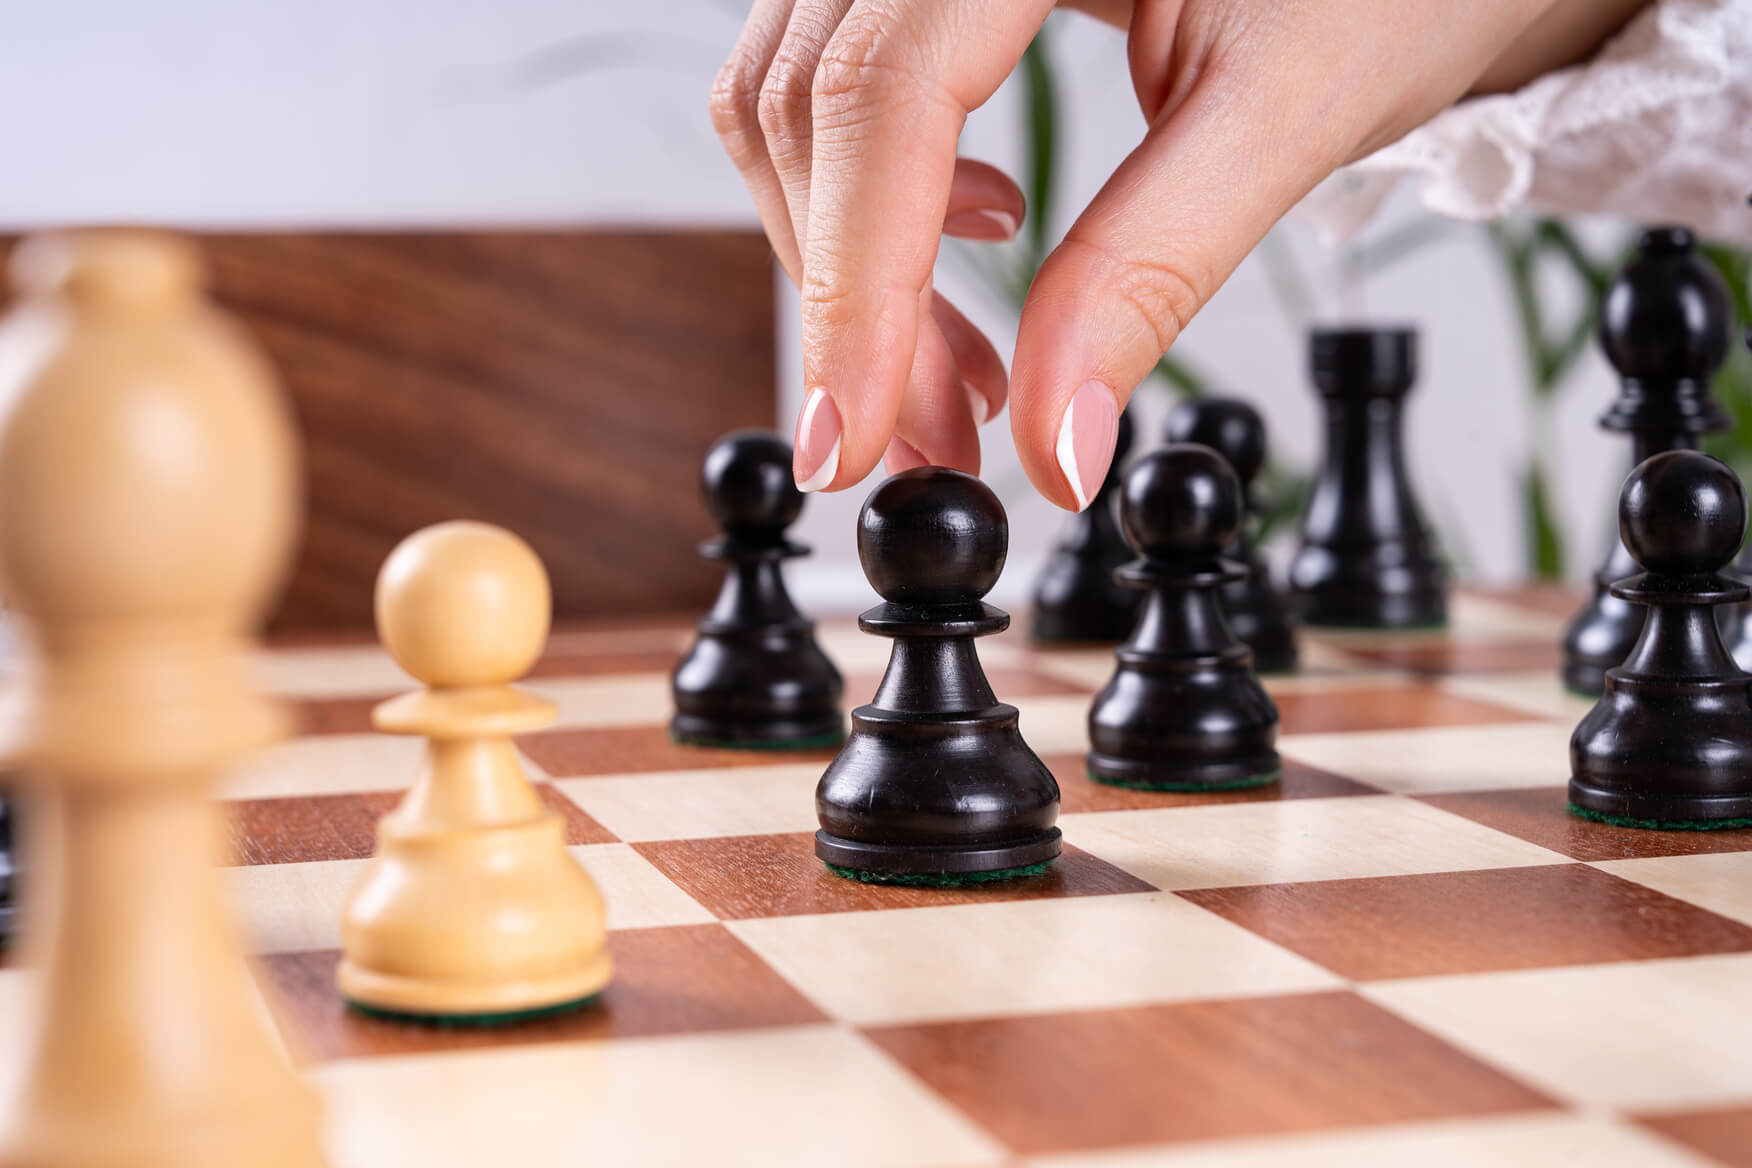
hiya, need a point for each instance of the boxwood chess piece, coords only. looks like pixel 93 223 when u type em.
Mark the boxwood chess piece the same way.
pixel 935 784
pixel 1669 743
pixel 1183 710
pixel 1076 597
pixel 755 677
pixel 1664 326
pixel 1367 558
pixel 149 493
pixel 1257 612
pixel 471 910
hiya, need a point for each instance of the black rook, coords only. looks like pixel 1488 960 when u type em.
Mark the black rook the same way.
pixel 1367 558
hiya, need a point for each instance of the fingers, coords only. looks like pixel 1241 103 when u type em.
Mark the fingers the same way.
pixel 784 108
pixel 735 112
pixel 983 377
pixel 889 96
pixel 936 424
pixel 1170 225
pixel 984 203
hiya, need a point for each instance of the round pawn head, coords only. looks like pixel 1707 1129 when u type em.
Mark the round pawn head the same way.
pixel 463 604
pixel 1227 425
pixel 1181 502
pixel 749 490
pixel 1667 317
pixel 1682 513
pixel 932 535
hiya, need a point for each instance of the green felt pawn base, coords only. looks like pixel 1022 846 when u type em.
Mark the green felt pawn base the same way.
pixel 939 879
pixel 1660 824
pixel 473 1021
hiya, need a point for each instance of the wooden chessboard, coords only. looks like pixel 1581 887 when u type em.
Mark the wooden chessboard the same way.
pixel 1406 954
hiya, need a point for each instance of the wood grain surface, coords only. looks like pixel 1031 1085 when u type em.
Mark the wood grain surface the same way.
pixel 563 384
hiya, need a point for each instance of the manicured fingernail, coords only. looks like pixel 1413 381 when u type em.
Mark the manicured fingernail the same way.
pixel 816 459
pixel 982 408
pixel 903 455
pixel 982 223
pixel 1085 439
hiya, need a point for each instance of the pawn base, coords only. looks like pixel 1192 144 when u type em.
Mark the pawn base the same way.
pixel 1660 811
pixel 473 1021
pixel 1584 680
pixel 1275 658
pixel 920 863
pixel 1255 771
pixel 444 1001
pixel 789 733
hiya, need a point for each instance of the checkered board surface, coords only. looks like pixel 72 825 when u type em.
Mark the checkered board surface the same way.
pixel 1405 954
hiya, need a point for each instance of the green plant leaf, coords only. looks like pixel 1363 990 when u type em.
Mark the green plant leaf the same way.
pixel 1545 542
pixel 1041 135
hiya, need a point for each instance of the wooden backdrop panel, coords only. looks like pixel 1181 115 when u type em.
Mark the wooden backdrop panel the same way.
pixel 564 385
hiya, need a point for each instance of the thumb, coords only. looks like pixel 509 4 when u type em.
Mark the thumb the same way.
pixel 1166 230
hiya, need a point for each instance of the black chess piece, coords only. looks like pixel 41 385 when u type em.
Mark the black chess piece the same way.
pixel 755 677
pixel 1669 743
pixel 1664 326
pixel 1184 709
pixel 1367 558
pixel 1076 598
pixel 935 784
pixel 1257 613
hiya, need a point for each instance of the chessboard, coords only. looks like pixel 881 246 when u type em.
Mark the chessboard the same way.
pixel 1406 953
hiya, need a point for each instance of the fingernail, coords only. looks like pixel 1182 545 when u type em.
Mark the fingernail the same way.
pixel 1085 439
pixel 982 408
pixel 902 455
pixel 816 458
pixel 982 223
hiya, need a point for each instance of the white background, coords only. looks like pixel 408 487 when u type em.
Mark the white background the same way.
pixel 296 113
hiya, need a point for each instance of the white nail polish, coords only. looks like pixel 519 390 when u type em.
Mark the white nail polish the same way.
pixel 982 409
pixel 1066 452
pixel 824 473
pixel 1006 221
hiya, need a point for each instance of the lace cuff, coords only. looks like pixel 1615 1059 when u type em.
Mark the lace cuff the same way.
pixel 1656 127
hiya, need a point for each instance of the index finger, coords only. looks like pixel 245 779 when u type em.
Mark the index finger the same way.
pixel 890 95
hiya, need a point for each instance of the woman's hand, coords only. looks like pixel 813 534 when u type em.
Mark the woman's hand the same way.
pixel 843 117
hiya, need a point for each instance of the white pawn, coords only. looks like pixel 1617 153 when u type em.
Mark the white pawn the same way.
pixel 472 909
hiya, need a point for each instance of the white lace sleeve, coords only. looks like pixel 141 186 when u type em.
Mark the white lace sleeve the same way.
pixel 1656 127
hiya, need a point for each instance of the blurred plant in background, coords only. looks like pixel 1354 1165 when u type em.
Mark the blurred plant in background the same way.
pixel 1533 254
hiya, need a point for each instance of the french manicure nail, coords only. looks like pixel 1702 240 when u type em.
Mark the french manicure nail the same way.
pixel 816 458
pixel 903 455
pixel 982 408
pixel 1086 435
pixel 982 223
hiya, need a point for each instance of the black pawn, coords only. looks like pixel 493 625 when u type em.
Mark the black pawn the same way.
pixel 1184 710
pixel 1669 744
pixel 935 784
pixel 755 677
pixel 1257 613
pixel 1367 558
pixel 1076 598
pixel 1664 325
